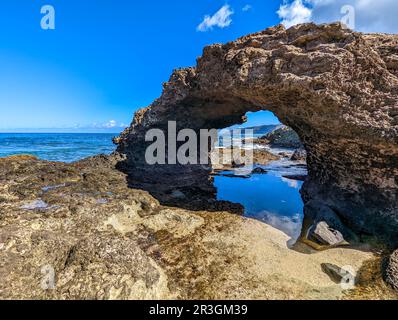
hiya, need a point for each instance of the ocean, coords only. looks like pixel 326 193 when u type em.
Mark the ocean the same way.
pixel 63 147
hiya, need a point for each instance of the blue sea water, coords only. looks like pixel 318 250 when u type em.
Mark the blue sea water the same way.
pixel 65 147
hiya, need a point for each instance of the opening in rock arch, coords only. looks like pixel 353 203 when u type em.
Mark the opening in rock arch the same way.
pixel 350 139
pixel 271 193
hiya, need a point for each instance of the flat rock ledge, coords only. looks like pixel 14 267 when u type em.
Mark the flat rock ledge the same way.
pixel 76 231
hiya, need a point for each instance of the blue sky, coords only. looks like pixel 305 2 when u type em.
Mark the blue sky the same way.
pixel 105 59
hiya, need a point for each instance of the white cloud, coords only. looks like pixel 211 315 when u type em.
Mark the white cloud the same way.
pixel 370 15
pixel 221 19
pixel 110 124
pixel 246 8
pixel 291 226
pixel 294 13
pixel 291 183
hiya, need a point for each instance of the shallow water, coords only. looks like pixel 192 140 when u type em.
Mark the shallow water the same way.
pixel 270 197
pixel 65 147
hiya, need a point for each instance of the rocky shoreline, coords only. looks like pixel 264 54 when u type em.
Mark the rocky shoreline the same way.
pixel 116 227
pixel 104 240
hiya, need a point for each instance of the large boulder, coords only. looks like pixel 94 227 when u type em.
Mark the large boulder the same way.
pixel 337 89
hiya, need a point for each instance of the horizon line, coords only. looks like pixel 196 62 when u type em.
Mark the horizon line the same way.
pixel 60 132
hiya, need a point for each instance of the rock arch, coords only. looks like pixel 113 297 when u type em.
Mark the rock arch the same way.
pixel 336 88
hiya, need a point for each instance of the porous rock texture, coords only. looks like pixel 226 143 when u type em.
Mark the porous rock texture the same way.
pixel 336 88
pixel 391 271
pixel 76 231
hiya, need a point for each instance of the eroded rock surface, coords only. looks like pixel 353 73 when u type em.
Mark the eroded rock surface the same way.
pixel 299 155
pixel 391 272
pixel 336 88
pixel 284 137
pixel 99 239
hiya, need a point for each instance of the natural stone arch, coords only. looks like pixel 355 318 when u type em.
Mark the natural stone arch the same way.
pixel 336 88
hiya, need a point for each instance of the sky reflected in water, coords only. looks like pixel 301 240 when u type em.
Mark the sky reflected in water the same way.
pixel 269 198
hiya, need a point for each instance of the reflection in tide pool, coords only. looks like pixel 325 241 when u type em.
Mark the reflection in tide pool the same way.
pixel 269 198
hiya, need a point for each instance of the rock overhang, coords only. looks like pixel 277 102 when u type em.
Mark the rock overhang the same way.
pixel 336 88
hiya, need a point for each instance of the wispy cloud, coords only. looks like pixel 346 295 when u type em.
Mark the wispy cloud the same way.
pixel 369 16
pixel 111 124
pixel 294 13
pixel 221 19
pixel 246 8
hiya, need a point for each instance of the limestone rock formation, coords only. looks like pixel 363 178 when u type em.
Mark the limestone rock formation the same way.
pixel 95 238
pixel 299 155
pixel 283 137
pixel 336 88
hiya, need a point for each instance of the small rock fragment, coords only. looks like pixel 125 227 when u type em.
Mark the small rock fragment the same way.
pixel 259 171
pixel 324 235
pixel 337 274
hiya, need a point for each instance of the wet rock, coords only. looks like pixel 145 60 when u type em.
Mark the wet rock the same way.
pixel 299 155
pixel 259 171
pixel 284 154
pixel 391 271
pixel 236 165
pixel 295 177
pixel 324 235
pixel 234 175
